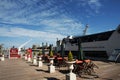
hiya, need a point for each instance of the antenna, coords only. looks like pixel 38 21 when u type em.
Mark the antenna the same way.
pixel 85 30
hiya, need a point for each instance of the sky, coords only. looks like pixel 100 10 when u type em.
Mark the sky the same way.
pixel 46 20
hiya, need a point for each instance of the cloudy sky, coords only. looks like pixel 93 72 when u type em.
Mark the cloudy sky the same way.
pixel 46 20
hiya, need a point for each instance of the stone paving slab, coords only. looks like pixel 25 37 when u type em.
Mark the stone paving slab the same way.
pixel 18 69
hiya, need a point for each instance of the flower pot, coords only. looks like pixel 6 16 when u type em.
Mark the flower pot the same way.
pixel 71 76
pixel 51 68
pixel 40 62
pixel 70 64
pixel 51 60
pixel 35 60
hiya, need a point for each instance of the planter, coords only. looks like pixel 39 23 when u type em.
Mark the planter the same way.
pixel 51 68
pixel 26 57
pixel 29 58
pixel 51 60
pixel 71 76
pixel 2 58
pixel 40 62
pixel 35 60
pixel 70 64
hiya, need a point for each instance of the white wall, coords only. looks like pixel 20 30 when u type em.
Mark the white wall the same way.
pixel 94 46
pixel 71 47
pixel 113 42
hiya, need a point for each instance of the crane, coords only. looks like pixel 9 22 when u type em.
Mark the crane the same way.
pixel 85 30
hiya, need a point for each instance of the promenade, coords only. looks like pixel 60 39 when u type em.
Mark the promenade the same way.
pixel 19 69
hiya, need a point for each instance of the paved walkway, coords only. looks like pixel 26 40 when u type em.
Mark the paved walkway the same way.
pixel 18 69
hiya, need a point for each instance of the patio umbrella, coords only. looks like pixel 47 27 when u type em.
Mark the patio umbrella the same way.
pixel 80 52
pixel 50 47
pixel 62 49
pixel 43 52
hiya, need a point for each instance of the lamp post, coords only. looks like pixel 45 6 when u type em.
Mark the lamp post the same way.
pixel 80 52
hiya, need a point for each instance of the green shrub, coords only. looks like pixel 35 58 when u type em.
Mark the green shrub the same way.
pixel 51 54
pixel 40 53
pixel 34 53
pixel 70 56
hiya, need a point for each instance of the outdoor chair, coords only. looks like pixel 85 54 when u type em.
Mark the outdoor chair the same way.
pixel 84 67
pixel 60 62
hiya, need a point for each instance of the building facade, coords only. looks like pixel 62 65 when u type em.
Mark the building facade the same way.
pixel 100 44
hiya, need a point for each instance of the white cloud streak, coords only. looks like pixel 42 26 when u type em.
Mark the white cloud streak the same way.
pixel 18 32
pixel 95 5
pixel 56 20
pixel 42 13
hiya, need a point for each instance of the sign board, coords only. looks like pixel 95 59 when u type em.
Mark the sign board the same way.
pixel 14 53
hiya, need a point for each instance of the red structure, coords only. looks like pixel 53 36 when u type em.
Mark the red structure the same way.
pixel 14 53
pixel 29 52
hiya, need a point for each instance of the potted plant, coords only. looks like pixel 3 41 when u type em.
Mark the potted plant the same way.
pixel 70 76
pixel 34 53
pixel 40 55
pixel 40 59
pixel 51 54
pixel 26 55
pixel 51 68
pixel 34 59
pixel 70 56
pixel 70 61
pixel 51 57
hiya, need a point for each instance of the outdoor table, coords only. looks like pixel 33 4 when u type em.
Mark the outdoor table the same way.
pixel 60 62
pixel 87 61
pixel 59 58
pixel 79 61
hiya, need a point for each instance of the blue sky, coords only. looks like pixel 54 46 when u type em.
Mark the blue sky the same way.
pixel 46 20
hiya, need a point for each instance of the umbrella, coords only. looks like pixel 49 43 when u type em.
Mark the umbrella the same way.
pixel 80 52
pixel 43 52
pixel 62 49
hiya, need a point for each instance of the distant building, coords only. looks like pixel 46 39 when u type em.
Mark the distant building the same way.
pixel 99 45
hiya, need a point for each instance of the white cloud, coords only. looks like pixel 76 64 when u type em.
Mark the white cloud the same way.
pixel 56 20
pixel 18 32
pixel 64 25
pixel 46 14
pixel 95 5
pixel 95 2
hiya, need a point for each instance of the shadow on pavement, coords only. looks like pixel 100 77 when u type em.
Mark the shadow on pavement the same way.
pixel 51 78
pixel 42 70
